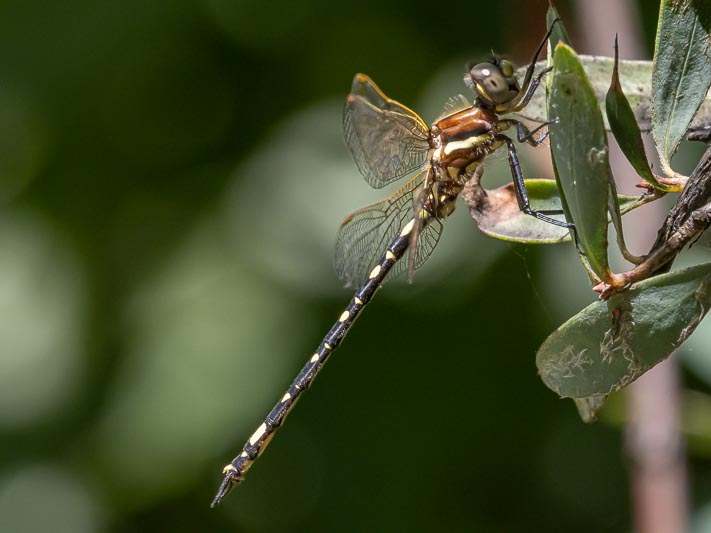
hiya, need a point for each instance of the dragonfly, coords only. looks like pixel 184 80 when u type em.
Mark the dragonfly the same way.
pixel 389 141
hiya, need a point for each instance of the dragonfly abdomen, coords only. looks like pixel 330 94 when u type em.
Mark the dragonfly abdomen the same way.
pixel 256 444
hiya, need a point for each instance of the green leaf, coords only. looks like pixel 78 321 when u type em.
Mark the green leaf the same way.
pixel 580 153
pixel 625 129
pixel 636 81
pixel 681 73
pixel 497 214
pixel 629 203
pixel 612 342
pixel 558 34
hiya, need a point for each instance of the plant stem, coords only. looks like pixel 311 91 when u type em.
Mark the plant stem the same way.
pixel 656 451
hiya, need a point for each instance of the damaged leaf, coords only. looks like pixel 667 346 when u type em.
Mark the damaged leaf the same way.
pixel 497 214
pixel 612 342
pixel 589 407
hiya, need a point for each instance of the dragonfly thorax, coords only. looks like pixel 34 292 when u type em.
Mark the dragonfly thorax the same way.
pixel 463 138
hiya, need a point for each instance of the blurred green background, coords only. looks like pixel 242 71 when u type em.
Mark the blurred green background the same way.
pixel 172 176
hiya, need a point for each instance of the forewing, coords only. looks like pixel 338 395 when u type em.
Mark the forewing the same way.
pixel 387 139
pixel 366 233
pixel 453 105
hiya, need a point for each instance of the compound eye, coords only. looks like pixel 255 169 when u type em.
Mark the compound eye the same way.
pixel 488 81
pixel 506 67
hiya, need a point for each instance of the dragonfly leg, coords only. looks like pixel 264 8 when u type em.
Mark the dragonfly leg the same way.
pixel 523 134
pixel 530 90
pixel 528 87
pixel 522 194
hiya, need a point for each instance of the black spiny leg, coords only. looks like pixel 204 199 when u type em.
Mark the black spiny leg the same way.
pixel 528 87
pixel 530 90
pixel 522 194
pixel 523 134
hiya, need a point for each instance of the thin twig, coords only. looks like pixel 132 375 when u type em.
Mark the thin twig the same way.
pixel 688 219
pixel 695 195
pixel 696 224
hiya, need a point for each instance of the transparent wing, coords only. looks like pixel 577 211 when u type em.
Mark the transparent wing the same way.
pixel 453 105
pixel 366 233
pixel 387 139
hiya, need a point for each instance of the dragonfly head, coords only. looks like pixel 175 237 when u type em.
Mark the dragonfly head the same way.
pixel 494 83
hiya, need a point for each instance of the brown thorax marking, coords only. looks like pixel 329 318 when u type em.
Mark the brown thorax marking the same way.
pixel 460 142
